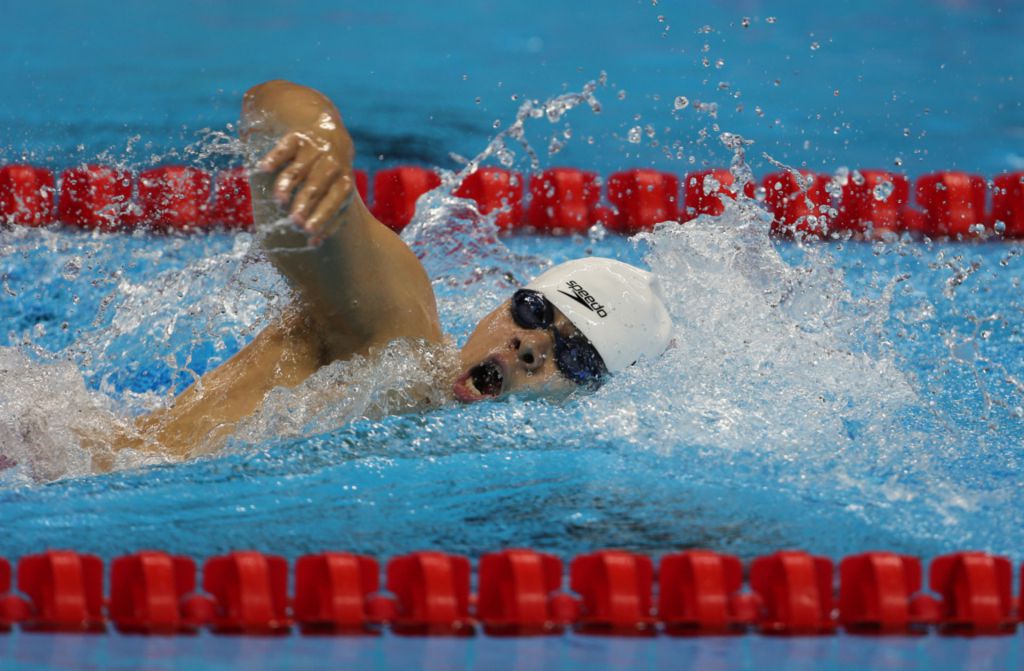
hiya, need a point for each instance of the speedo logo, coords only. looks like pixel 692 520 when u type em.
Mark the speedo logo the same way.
pixel 583 297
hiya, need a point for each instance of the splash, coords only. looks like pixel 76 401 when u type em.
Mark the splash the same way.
pixel 865 386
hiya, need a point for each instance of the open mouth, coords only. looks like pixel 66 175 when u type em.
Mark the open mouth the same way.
pixel 485 380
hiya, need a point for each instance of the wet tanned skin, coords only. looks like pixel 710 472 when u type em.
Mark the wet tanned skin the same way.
pixel 526 356
pixel 357 286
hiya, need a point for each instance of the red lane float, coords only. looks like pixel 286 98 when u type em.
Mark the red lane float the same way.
pixel 362 181
pixel 642 199
pixel 1008 204
pixel 174 198
pixel 232 200
pixel 703 193
pixel 975 590
pixel 878 595
pixel 332 593
pixel 396 190
pixel 516 593
pixel 872 203
pixel 799 202
pixel 562 200
pixel 615 587
pixel 698 594
pixel 796 592
pixel 250 593
pixel 495 190
pixel 97 197
pixel 432 590
pixel 65 591
pixel 13 609
pixel 953 204
pixel 26 195
pixel 146 593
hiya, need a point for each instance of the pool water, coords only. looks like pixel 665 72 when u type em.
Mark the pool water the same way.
pixel 206 653
pixel 837 397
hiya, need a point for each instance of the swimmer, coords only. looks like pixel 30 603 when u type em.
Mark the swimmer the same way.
pixel 358 287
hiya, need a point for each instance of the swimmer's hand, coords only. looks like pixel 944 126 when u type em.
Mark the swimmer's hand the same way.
pixel 359 286
pixel 314 180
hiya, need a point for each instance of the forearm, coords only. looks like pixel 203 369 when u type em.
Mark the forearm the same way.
pixel 358 278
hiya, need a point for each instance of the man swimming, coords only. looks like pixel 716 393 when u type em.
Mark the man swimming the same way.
pixel 359 287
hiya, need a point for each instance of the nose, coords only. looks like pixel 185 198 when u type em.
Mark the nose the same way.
pixel 532 349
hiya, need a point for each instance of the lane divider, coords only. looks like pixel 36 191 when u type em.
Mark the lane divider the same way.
pixel 519 593
pixel 863 204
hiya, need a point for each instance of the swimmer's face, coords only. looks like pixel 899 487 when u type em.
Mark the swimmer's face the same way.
pixel 501 357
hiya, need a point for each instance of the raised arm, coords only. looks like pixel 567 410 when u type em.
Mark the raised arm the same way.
pixel 358 285
pixel 358 281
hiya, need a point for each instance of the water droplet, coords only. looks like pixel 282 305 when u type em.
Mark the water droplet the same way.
pixel 72 268
pixel 882 190
pixel 815 46
pixel 681 103
pixel 496 124
pixel 477 100
pixel 745 22
pixel 622 94
pixel 634 135
pixel 770 19
pixel 898 162
pixel 710 185
pixel 705 29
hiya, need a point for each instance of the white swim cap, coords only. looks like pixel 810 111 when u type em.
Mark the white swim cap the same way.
pixel 618 307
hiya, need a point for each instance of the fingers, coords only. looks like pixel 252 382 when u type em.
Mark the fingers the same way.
pixel 324 219
pixel 317 184
pixel 282 152
pixel 295 172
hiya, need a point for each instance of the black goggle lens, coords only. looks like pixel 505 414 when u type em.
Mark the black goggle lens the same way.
pixel 530 310
pixel 575 357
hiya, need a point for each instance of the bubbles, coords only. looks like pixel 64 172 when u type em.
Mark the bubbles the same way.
pixel 680 103
pixel 635 135
pixel 72 268
pixel 882 190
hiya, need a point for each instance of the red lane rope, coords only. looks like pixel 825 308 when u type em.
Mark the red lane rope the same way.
pixel 519 592
pixel 867 204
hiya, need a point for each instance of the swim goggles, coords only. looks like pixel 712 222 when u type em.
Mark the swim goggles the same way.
pixel 575 357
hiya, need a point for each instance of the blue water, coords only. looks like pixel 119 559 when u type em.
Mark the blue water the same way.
pixel 935 84
pixel 838 398
pixel 208 653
